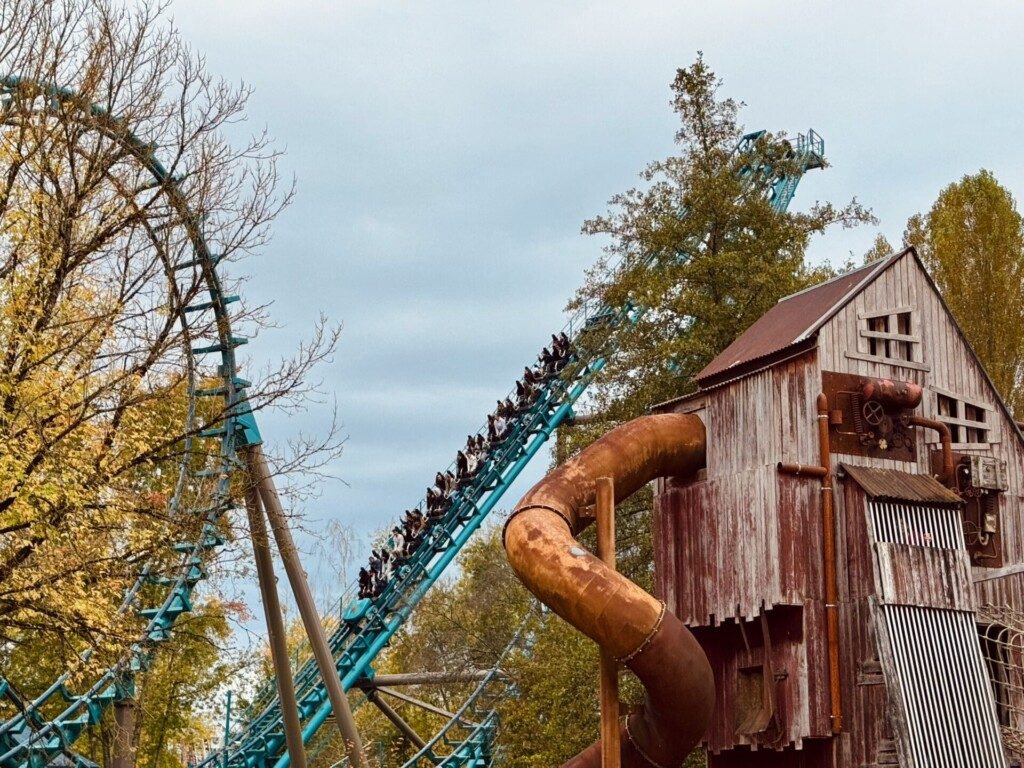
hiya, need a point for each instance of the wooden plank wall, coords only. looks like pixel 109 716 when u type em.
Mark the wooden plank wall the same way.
pixel 924 576
pixel 745 539
pixel 951 367
pixel 718 551
pixel 864 697
pixel 798 654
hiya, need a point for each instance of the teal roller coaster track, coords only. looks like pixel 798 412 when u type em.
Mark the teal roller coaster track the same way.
pixel 45 728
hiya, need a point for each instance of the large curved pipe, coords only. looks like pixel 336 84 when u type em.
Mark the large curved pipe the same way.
pixel 606 606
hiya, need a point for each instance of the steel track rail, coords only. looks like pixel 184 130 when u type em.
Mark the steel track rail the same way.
pixel 258 740
pixel 34 736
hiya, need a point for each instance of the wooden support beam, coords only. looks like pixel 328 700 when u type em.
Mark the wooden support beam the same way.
pixel 610 739
pixel 422 678
pixel 275 628
pixel 396 719
pixel 416 702
pixel 262 479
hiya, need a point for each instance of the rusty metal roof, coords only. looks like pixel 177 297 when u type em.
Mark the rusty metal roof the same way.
pixel 793 320
pixel 901 486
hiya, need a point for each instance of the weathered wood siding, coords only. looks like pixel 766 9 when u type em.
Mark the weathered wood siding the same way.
pixel 744 539
pixel 864 696
pixel 945 363
pixel 925 577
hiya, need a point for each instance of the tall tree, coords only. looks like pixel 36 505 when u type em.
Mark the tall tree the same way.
pixel 723 256
pixel 96 360
pixel 707 254
pixel 972 242
pixel 97 264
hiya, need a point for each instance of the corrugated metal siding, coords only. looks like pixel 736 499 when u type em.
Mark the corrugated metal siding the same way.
pixel 893 484
pixel 941 689
pixel 916 524
pixel 951 367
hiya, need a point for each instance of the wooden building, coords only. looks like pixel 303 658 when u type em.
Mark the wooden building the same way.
pixel 921 567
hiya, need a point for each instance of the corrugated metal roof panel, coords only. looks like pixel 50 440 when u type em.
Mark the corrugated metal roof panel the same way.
pixel 793 319
pixel 904 486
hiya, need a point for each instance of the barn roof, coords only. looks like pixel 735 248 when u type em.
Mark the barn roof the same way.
pixel 790 323
pixel 894 485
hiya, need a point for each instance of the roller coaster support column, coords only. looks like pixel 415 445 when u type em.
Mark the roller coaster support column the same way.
pixel 124 733
pixel 275 626
pixel 407 730
pixel 610 744
pixel 307 607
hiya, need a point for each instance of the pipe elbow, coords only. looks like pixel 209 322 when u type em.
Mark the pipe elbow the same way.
pixel 606 606
pixel 945 439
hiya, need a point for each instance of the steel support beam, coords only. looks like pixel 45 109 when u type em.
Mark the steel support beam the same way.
pixel 396 719
pixel 307 607
pixel 275 628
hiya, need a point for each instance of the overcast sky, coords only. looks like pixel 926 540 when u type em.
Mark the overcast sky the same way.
pixel 446 154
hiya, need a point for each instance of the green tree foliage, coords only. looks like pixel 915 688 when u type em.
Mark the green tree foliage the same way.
pixel 880 249
pixel 719 267
pixel 464 624
pixel 175 695
pixel 972 243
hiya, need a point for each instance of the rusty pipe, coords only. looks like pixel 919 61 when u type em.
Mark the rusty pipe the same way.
pixel 803 470
pixel 828 524
pixel 893 394
pixel 946 438
pixel 823 472
pixel 621 617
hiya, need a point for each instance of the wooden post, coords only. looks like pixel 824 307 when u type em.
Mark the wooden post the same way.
pixel 124 733
pixel 610 743
pixel 276 635
pixel 346 723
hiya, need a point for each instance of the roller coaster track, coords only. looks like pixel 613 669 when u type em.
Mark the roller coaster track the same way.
pixel 467 739
pixel 49 723
pixel 46 726
pixel 367 626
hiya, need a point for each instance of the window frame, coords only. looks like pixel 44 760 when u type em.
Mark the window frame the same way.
pixel 891 340
pixel 960 425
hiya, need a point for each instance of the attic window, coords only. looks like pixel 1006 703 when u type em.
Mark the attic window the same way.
pixel 969 421
pixel 890 335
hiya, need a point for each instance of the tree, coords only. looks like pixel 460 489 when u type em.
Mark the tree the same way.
pixel 723 256
pixel 972 243
pixel 880 249
pixel 97 263
pixel 176 694
pixel 465 623
pixel 707 255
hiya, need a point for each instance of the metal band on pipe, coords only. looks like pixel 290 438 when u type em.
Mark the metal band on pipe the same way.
pixel 647 640
pixel 639 751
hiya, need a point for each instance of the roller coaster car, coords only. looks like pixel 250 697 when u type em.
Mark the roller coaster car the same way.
pixel 604 317
pixel 356 611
